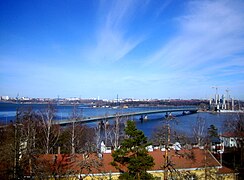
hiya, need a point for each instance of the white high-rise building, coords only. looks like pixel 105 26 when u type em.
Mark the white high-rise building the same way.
pixel 6 98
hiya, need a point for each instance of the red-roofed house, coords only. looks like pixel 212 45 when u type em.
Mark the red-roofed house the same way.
pixel 231 139
pixel 182 164
pixel 226 173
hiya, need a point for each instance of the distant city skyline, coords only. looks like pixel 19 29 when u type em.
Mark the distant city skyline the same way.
pixel 134 48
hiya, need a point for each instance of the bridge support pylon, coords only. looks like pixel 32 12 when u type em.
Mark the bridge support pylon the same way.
pixel 143 118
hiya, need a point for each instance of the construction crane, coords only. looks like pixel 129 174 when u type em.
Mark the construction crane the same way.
pixel 216 88
pixel 227 93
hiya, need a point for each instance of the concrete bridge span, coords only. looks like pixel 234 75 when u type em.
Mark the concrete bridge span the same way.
pixel 190 110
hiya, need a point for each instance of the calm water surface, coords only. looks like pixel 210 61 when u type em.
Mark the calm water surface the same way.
pixel 180 123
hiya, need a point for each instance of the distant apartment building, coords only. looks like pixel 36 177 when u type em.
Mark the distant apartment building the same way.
pixel 5 98
pixel 72 99
pixel 25 99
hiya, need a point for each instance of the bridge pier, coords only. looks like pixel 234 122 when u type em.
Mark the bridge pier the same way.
pixel 169 115
pixel 143 118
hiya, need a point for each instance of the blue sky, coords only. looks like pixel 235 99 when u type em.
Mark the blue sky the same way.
pixel 133 48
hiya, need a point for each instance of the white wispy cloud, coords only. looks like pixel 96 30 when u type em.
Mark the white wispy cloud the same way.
pixel 162 7
pixel 113 40
pixel 209 31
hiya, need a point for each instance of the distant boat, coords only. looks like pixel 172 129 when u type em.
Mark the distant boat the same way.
pixel 115 107
pixel 125 107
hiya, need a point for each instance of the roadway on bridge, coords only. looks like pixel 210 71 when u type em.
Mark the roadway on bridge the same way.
pixel 129 114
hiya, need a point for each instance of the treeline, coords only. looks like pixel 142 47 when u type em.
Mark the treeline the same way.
pixel 34 132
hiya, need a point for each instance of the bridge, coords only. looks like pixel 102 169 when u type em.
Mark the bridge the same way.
pixel 127 114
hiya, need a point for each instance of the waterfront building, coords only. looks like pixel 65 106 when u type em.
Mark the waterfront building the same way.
pixel 222 104
pixel 5 98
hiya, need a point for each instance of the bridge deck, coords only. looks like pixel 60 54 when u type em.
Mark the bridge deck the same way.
pixel 129 114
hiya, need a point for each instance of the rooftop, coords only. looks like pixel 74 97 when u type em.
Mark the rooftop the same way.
pixel 233 134
pixel 93 164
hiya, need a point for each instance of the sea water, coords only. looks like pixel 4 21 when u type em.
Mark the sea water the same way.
pixel 183 124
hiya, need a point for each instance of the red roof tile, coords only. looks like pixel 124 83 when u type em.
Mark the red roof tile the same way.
pixel 225 170
pixel 233 134
pixel 184 159
pixel 80 164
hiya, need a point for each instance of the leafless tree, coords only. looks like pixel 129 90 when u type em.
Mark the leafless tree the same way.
pixel 29 129
pixel 164 137
pixel 7 152
pixel 88 164
pixel 16 145
pixel 76 127
pixel 98 137
pixel 235 124
pixel 49 130
pixel 76 138
pixel 160 136
pixel 199 131
pixel 116 132
pixel 54 166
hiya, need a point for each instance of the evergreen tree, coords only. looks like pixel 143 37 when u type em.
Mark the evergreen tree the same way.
pixel 132 158
pixel 212 131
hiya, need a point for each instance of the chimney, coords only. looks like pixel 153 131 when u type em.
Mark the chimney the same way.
pixel 58 149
